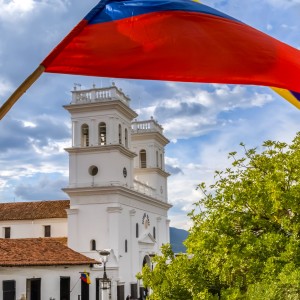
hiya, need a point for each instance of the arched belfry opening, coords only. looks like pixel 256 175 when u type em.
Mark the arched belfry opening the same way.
pixel 102 134
pixel 143 159
pixel 85 135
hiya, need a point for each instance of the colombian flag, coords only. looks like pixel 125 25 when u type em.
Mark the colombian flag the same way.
pixel 176 40
pixel 85 277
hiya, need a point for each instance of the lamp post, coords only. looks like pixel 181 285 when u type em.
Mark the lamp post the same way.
pixel 105 283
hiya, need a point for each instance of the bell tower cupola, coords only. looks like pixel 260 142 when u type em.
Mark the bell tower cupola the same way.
pixel 148 142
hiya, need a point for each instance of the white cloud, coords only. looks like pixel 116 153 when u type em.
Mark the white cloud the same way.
pixel 16 8
pixel 29 124
pixel 10 10
pixel 51 147
pixel 194 112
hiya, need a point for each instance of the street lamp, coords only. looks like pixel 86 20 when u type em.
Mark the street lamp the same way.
pixel 105 283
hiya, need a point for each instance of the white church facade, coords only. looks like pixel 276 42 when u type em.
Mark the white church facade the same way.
pixel 116 212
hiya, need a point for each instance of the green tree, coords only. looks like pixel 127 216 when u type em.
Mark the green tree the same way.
pixel 245 238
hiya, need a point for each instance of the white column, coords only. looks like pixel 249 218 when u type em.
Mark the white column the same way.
pixel 151 157
pixel 132 242
pixel 76 138
pixel 168 230
pixel 158 229
pixel 93 131
pixel 113 228
pixel 73 238
pixel 112 134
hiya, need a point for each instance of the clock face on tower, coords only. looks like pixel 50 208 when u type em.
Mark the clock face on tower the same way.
pixel 124 172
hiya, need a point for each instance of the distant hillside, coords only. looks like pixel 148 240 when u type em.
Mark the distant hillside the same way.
pixel 177 236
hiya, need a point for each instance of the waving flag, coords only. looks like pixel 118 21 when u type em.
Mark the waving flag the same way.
pixel 176 40
pixel 85 277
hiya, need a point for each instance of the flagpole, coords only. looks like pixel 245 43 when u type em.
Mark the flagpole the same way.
pixel 27 83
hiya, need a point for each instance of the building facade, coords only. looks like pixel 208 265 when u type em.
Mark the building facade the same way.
pixel 117 190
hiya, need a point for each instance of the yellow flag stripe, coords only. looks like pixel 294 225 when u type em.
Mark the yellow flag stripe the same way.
pixel 286 94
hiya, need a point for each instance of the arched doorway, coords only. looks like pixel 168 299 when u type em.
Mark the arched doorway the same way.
pixel 144 291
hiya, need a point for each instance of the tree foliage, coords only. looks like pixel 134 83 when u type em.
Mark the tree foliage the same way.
pixel 245 239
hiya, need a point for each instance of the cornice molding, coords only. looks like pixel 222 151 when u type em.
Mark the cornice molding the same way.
pixel 101 106
pixel 106 148
pixel 108 190
pixel 150 135
pixel 152 170
pixel 114 209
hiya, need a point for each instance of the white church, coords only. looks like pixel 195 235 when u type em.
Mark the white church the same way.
pixel 116 217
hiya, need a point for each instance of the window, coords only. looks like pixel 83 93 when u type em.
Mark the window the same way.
pixel 85 290
pixel 157 159
pixel 93 245
pixel 133 290
pixel 85 135
pixel 9 289
pixel 120 134
pixel 161 160
pixel 154 232
pixel 126 246
pixel 64 288
pixel 143 159
pixel 7 232
pixel 102 134
pixel 126 138
pixel 47 231
pixel 137 230
pixel 120 292
pixel 33 288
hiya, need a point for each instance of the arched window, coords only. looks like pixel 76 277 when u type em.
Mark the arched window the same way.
pixel 120 134
pixel 143 159
pixel 161 161
pixel 137 230
pixel 126 138
pixel 102 134
pixel 85 135
pixel 93 245
pixel 146 260
pixel 157 159
pixel 154 232
pixel 126 246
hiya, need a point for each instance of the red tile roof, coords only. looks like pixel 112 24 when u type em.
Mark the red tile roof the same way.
pixel 34 210
pixel 40 252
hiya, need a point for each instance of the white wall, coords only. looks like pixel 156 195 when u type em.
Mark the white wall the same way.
pixel 50 280
pixel 35 228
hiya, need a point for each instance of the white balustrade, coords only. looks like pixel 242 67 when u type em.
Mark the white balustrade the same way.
pixel 98 94
pixel 146 126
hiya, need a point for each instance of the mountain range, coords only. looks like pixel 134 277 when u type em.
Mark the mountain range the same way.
pixel 177 237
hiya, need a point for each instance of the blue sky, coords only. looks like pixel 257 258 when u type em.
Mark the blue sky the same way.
pixel 204 122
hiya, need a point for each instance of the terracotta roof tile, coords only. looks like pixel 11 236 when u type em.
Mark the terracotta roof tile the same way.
pixel 40 252
pixel 34 210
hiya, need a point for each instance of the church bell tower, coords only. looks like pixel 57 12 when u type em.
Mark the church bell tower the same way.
pixel 117 185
